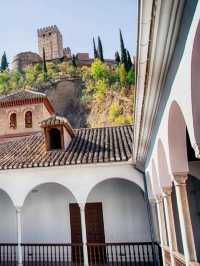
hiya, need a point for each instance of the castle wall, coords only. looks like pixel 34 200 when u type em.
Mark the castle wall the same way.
pixel 50 39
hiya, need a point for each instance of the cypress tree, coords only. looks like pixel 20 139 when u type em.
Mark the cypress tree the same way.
pixel 129 62
pixel 117 58
pixel 44 65
pixel 123 51
pixel 4 62
pixel 100 50
pixel 95 49
pixel 74 60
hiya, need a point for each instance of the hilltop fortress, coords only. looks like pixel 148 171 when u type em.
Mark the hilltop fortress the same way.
pixel 50 38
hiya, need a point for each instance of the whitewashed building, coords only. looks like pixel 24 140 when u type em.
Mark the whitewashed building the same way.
pixel 67 195
pixel 167 119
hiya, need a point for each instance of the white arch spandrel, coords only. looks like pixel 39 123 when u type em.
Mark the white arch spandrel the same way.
pixel 79 179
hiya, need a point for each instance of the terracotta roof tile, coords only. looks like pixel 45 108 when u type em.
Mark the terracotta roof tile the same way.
pixel 94 145
pixel 22 95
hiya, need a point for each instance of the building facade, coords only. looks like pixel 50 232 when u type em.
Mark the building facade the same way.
pixel 66 195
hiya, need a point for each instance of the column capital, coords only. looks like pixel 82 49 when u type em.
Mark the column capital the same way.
pixel 196 148
pixel 18 209
pixel 153 200
pixel 159 198
pixel 167 191
pixel 82 206
pixel 180 178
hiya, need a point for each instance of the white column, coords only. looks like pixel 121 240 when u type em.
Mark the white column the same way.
pixel 84 234
pixel 184 217
pixel 170 222
pixel 163 237
pixel 162 230
pixel 19 235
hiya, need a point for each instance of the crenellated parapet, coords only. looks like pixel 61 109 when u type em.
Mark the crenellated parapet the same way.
pixel 48 29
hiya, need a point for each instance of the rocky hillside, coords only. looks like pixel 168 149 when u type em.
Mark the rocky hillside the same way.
pixel 93 96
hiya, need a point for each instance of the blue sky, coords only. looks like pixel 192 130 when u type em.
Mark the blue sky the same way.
pixel 78 21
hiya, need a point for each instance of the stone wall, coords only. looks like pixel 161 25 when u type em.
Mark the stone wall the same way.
pixel 50 39
pixel 25 59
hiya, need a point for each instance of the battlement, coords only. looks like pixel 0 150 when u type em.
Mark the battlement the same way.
pixel 48 29
pixel 50 39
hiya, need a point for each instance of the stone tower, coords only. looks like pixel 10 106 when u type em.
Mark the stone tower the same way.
pixel 50 39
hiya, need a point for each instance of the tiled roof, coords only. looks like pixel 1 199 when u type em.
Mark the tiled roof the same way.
pixel 95 145
pixel 22 95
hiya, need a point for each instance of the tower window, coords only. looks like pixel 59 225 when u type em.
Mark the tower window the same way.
pixel 49 33
pixel 13 120
pixel 43 35
pixel 28 119
pixel 54 139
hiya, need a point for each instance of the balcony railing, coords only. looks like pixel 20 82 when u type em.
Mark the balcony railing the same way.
pixel 8 254
pixel 125 254
pixel 52 254
pixel 109 254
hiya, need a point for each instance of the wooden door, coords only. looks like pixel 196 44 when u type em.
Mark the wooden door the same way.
pixel 94 229
pixel 95 233
pixel 94 223
pixel 76 233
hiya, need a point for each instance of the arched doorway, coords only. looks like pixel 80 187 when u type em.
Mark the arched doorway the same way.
pixel 46 226
pixel 48 204
pixel 123 209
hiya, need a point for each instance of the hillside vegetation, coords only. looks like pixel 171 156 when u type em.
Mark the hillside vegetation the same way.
pixel 107 93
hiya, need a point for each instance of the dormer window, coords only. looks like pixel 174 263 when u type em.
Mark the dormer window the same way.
pixel 58 132
pixel 28 119
pixel 13 120
pixel 54 139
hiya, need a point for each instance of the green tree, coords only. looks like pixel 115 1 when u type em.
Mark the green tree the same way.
pixel 117 58
pixel 4 62
pixel 122 74
pixel 95 49
pixel 100 49
pixel 123 50
pixel 44 65
pixel 129 62
pixel 99 70
pixel 131 77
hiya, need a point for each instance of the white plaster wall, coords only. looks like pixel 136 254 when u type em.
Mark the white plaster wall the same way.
pixel 181 94
pixel 45 215
pixel 124 211
pixel 8 223
pixel 79 179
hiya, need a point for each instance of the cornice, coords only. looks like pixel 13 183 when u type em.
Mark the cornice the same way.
pixel 164 27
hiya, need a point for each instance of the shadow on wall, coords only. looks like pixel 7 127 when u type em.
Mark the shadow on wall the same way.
pixel 188 13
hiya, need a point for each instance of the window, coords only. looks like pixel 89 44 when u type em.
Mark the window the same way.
pixel 13 120
pixel 54 139
pixel 28 119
